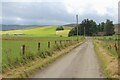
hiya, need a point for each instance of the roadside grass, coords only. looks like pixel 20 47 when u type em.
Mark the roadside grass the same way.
pixel 12 52
pixel 108 60
pixel 110 43
pixel 110 46
pixel 32 66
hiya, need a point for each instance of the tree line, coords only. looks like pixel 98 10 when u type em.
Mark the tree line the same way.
pixel 89 28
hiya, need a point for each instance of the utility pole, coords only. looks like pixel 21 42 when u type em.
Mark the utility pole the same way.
pixel 77 25
pixel 84 31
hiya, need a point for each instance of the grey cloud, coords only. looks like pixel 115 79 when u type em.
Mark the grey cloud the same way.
pixel 44 13
pixel 36 11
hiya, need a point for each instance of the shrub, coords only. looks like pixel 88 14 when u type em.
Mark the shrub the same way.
pixel 59 28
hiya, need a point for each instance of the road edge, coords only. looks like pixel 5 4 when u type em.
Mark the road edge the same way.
pixel 103 63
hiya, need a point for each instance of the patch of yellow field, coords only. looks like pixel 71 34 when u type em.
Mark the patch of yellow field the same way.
pixel 63 33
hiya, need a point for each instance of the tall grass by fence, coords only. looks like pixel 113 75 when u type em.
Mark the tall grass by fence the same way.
pixel 26 52
pixel 110 43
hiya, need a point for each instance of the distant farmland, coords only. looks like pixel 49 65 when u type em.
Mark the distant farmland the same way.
pixel 49 31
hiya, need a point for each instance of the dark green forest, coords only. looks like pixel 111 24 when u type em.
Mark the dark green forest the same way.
pixel 90 28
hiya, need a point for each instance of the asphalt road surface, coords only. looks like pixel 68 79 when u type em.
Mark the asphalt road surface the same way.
pixel 81 62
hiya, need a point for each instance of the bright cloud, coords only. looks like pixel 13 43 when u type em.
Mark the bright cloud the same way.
pixel 100 6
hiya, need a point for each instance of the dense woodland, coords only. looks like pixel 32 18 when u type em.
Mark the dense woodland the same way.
pixel 89 28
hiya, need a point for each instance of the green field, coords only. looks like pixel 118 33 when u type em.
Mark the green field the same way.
pixel 48 31
pixel 12 53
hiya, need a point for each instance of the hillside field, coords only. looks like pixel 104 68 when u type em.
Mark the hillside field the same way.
pixel 12 44
pixel 48 31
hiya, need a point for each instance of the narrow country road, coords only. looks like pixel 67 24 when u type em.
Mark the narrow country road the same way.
pixel 81 62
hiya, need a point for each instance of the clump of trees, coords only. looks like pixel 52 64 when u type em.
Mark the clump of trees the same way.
pixel 90 27
pixel 101 27
pixel 109 28
pixel 59 28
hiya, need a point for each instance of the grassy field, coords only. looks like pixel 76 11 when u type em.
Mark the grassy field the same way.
pixel 11 49
pixel 48 31
pixel 32 66
pixel 12 52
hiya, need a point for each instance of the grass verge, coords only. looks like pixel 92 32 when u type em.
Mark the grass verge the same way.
pixel 38 64
pixel 108 62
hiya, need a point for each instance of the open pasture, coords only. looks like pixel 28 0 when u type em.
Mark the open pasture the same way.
pixel 35 43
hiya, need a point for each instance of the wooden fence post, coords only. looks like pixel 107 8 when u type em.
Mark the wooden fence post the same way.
pixel 39 46
pixel 70 42
pixel 60 43
pixel 23 51
pixel 115 45
pixel 65 43
pixel 48 44
pixel 55 42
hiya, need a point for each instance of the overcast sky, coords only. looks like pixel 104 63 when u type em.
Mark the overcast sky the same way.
pixel 57 12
